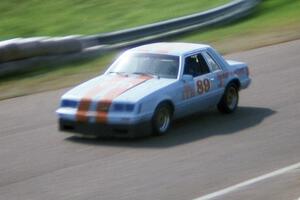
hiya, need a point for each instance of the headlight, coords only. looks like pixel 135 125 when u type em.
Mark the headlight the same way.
pixel 123 107
pixel 69 103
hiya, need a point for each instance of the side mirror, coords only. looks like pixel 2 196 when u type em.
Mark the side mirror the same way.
pixel 187 77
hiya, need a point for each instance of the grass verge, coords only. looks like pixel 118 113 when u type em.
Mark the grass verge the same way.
pixel 272 22
pixel 68 17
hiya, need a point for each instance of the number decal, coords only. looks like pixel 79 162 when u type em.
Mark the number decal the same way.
pixel 200 88
pixel 203 86
pixel 206 83
pixel 222 78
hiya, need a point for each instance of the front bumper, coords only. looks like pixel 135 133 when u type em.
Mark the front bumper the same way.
pixel 106 130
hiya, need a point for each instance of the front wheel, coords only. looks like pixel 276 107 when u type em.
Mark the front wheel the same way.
pixel 230 99
pixel 161 120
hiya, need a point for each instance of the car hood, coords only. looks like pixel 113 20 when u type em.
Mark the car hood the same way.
pixel 117 88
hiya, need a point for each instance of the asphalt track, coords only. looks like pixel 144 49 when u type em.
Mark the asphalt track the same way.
pixel 202 154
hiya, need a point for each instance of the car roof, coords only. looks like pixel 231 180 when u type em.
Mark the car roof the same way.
pixel 169 48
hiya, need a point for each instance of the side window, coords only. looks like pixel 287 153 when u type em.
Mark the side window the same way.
pixel 195 65
pixel 213 65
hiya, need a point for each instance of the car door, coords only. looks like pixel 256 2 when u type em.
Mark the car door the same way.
pixel 199 92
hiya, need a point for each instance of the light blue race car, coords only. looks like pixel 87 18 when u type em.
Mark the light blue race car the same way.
pixel 149 86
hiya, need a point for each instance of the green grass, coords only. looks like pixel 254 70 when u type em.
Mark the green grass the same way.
pixel 272 22
pixel 27 18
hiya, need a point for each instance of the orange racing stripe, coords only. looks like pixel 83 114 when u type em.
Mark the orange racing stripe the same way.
pixel 86 101
pixel 104 105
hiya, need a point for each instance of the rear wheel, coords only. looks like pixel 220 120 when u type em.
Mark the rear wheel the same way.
pixel 230 99
pixel 162 118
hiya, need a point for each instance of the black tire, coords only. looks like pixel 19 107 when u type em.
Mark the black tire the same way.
pixel 230 99
pixel 161 120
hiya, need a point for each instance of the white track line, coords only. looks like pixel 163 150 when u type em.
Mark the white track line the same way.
pixel 249 182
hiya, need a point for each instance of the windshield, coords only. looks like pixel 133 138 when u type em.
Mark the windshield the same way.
pixel 165 66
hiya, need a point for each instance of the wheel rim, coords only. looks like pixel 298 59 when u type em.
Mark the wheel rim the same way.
pixel 163 120
pixel 232 98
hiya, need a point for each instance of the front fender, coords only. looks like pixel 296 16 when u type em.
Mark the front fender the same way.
pixel 150 103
